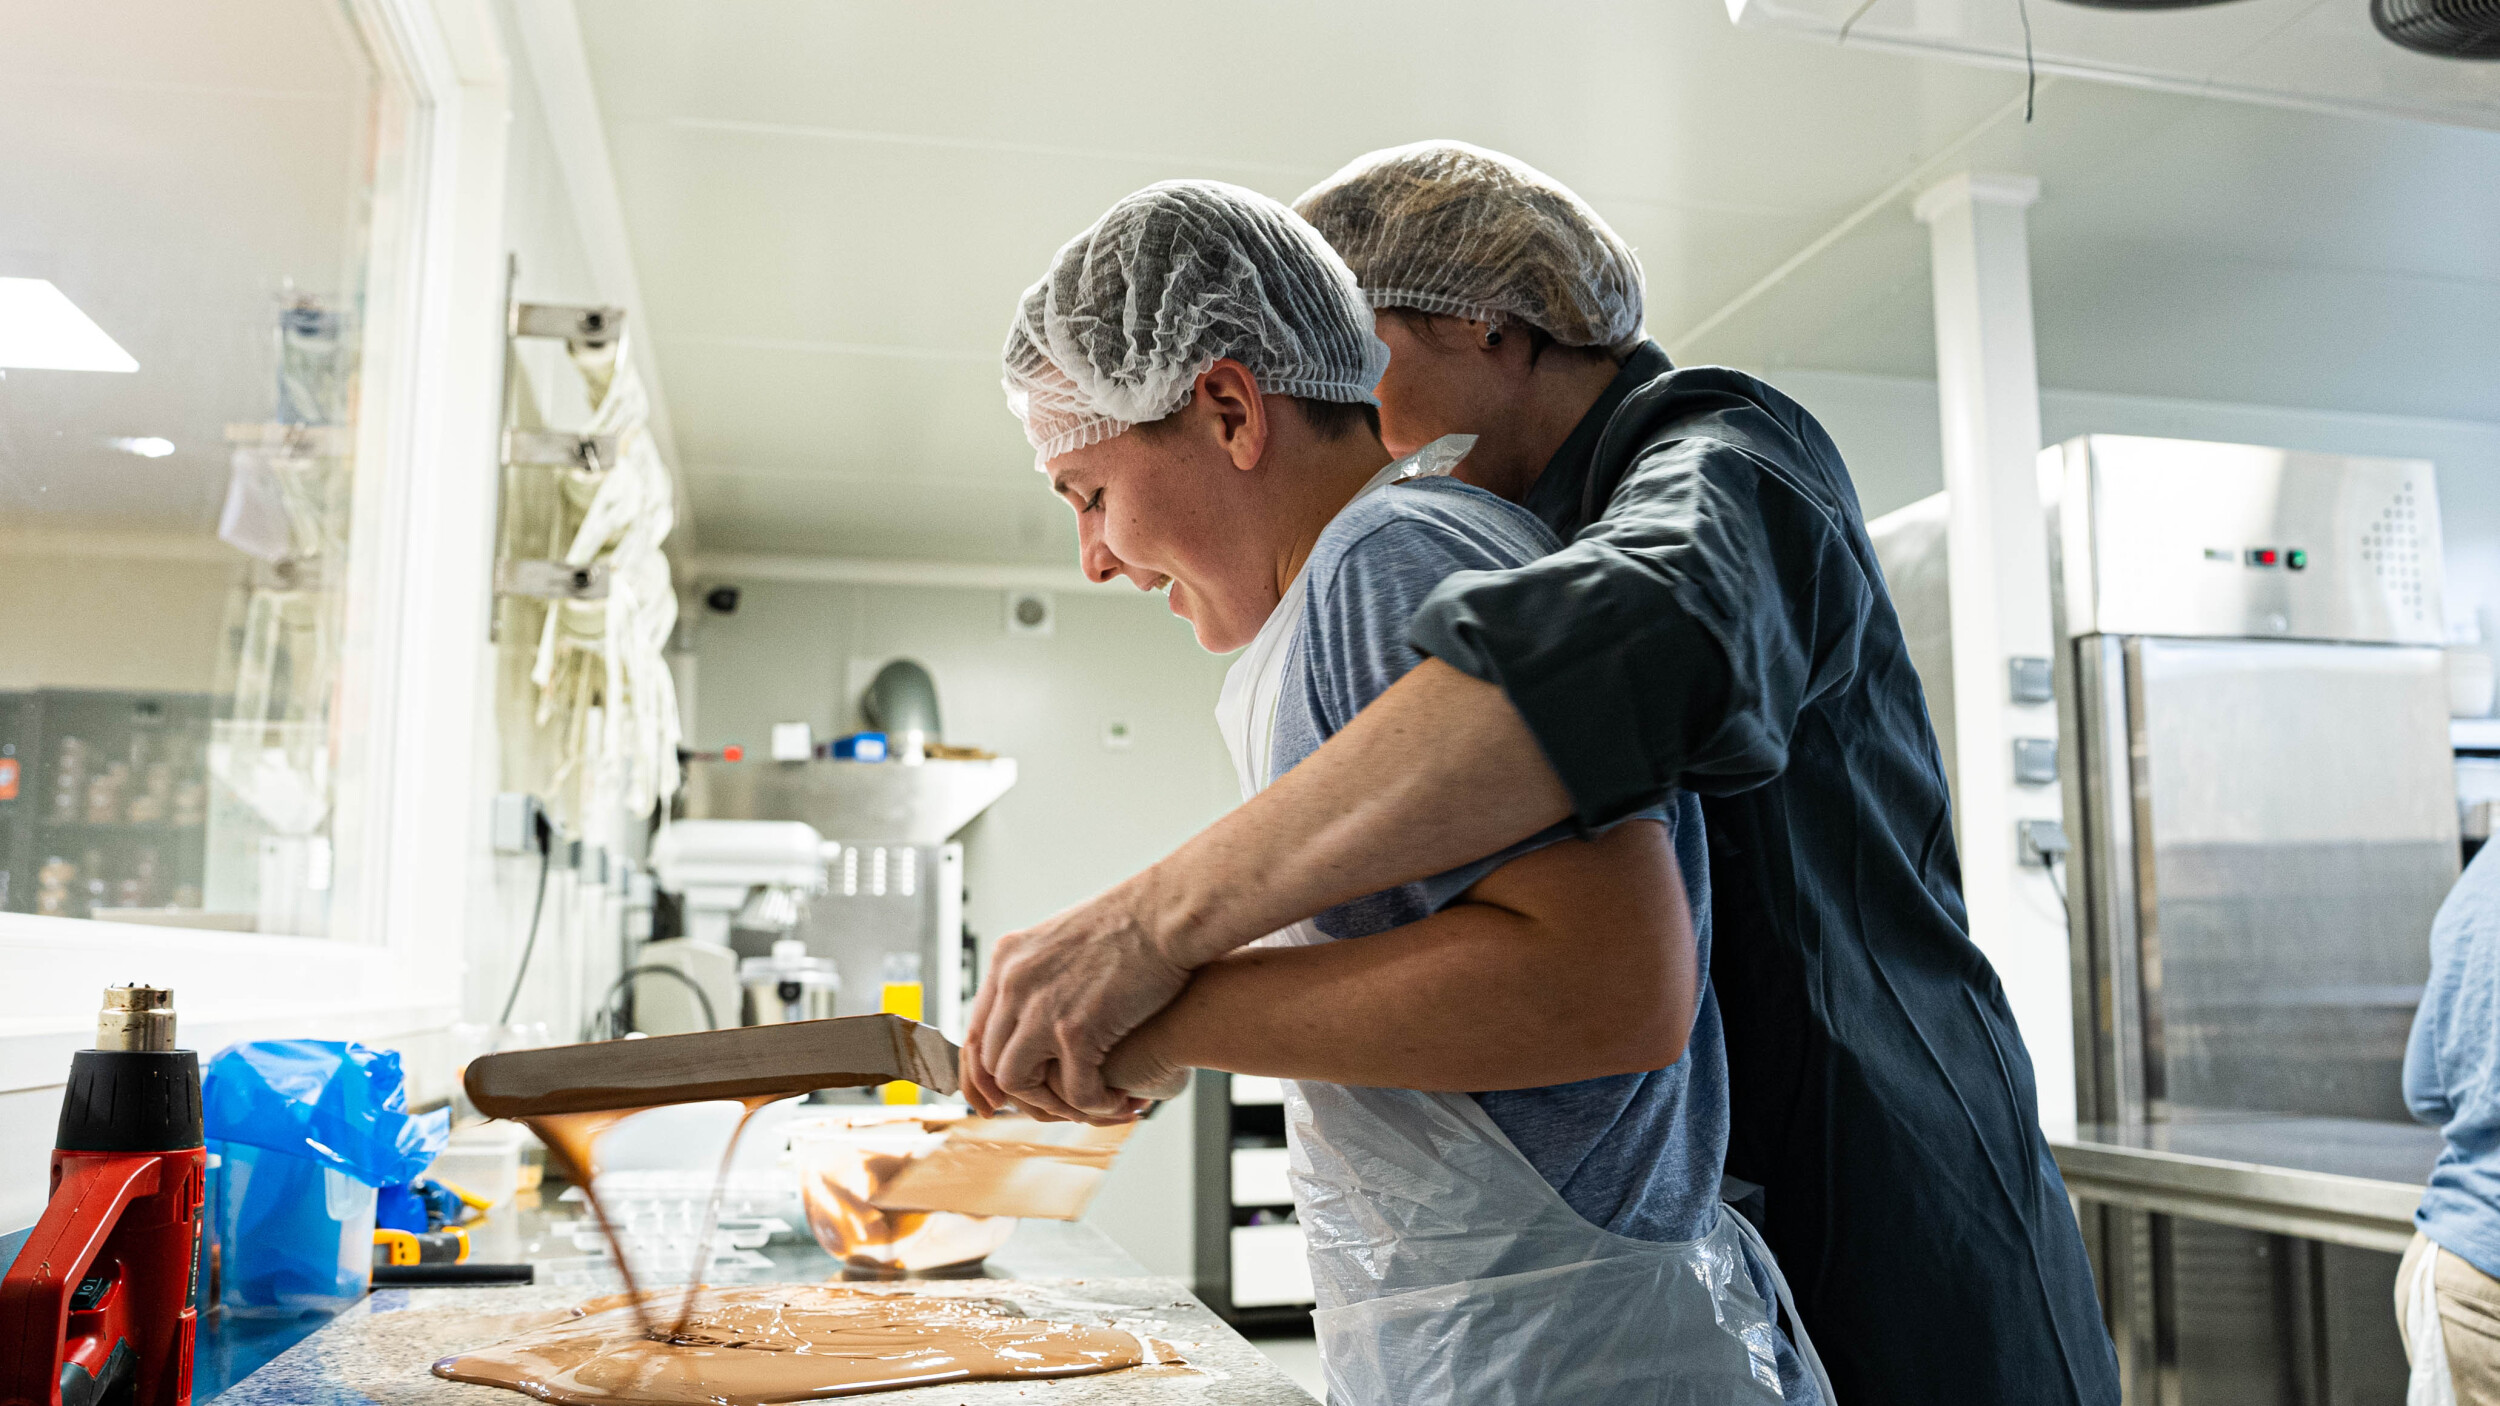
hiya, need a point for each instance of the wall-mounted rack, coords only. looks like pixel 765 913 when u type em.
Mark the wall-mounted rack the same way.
pixel 580 327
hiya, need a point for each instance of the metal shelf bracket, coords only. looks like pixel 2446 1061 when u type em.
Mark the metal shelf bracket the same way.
pixel 560 449
pixel 578 324
pixel 552 580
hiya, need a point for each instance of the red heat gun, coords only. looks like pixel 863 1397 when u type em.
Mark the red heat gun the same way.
pixel 102 1302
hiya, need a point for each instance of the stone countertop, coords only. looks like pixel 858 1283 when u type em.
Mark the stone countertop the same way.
pixel 380 1351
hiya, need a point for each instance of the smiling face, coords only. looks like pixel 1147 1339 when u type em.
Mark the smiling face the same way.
pixel 1169 510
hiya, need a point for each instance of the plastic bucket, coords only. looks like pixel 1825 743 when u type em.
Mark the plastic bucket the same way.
pixel 293 1236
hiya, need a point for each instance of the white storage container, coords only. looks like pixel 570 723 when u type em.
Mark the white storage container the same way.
pixel 484 1161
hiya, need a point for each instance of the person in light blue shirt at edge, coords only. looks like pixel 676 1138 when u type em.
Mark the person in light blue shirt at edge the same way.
pixel 2452 1081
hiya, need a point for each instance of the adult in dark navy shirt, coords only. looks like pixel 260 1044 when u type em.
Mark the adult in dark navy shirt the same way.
pixel 1715 621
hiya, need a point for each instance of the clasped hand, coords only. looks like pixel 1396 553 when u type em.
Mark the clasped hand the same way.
pixel 1059 999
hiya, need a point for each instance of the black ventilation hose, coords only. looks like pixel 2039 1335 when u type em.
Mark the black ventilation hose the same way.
pixel 2448 29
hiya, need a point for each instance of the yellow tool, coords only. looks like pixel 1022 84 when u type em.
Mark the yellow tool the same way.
pixel 449 1245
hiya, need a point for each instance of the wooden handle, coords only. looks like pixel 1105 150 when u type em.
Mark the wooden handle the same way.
pixel 754 1061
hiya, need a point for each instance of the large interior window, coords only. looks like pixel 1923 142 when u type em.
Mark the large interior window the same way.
pixel 188 264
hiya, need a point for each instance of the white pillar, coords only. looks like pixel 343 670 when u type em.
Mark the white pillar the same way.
pixel 1988 388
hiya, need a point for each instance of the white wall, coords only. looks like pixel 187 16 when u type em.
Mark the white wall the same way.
pixel 1887 429
pixel 553 267
pixel 1081 817
pixel 164 614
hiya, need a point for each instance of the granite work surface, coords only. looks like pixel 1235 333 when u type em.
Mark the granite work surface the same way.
pixel 382 1350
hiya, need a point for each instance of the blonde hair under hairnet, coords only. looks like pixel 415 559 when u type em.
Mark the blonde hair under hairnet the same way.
pixel 1169 280
pixel 1450 228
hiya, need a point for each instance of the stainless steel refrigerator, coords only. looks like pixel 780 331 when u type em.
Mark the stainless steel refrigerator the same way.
pixel 2259 787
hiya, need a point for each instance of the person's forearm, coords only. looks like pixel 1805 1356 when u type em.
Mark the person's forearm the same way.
pixel 1437 772
pixel 1473 999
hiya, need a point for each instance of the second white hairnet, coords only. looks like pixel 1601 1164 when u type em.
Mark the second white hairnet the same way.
pixel 1454 229
pixel 1169 280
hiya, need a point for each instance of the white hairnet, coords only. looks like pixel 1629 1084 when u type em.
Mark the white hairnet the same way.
pixel 1168 280
pixel 1450 228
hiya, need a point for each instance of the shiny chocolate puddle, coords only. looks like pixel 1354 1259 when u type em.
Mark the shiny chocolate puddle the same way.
pixel 789 1342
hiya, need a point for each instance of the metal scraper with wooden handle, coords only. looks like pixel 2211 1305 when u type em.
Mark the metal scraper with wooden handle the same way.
pixel 754 1061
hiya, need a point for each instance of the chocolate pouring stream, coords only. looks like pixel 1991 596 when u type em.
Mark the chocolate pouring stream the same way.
pixel 769 1343
pixel 569 1094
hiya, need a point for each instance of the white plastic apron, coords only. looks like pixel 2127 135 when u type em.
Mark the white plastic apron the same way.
pixel 1447 1269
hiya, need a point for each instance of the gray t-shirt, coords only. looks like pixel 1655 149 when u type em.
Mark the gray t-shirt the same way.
pixel 1638 1154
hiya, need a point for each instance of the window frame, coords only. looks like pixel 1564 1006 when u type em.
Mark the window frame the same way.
pixel 419 597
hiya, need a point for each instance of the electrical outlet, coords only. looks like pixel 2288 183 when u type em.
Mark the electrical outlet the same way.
pixel 2035 761
pixel 2042 842
pixel 2028 679
pixel 514 826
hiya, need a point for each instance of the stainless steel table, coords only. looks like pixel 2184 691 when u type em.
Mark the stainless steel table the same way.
pixel 2345 1181
pixel 2249 1259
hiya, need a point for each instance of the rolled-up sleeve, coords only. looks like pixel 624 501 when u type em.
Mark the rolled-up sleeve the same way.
pixel 1675 639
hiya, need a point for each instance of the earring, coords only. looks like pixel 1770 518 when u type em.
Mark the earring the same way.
pixel 1493 336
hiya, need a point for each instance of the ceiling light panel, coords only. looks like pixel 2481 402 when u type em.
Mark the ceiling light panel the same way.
pixel 42 330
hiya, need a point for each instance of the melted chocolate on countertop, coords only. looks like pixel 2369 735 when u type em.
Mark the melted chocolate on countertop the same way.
pixel 788 1342
pixel 769 1343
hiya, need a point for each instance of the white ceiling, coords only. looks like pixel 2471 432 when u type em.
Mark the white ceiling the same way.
pixel 833 205
pixel 2304 53
pixel 172 168
pixel 2201 249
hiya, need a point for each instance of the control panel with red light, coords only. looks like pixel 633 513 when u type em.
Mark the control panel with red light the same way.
pixel 2263 558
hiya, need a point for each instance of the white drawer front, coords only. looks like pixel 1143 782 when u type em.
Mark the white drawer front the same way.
pixel 1270 1266
pixel 1257 1089
pixel 1259 1177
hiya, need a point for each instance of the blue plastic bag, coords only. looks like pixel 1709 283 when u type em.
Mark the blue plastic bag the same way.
pixel 305 1130
pixel 336 1102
